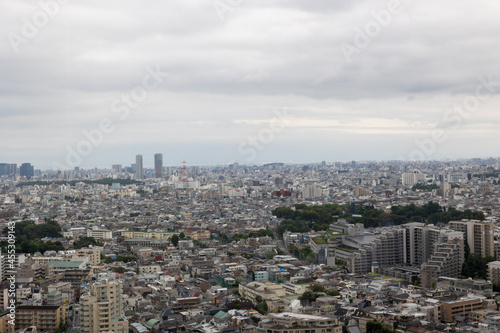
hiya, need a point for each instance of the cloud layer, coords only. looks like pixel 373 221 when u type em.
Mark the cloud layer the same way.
pixel 232 64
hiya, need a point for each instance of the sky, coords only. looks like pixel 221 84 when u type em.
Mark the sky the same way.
pixel 93 83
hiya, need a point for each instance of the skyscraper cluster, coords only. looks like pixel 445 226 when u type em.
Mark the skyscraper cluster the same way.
pixel 158 165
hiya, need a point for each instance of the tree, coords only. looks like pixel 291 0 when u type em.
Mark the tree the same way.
pixel 175 240
pixel 262 307
pixel 377 327
pixel 182 235
pixel 333 293
pixel 309 296
pixel 317 288
pixel 85 241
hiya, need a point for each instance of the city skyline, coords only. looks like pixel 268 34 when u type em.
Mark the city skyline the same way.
pixel 253 83
pixel 178 164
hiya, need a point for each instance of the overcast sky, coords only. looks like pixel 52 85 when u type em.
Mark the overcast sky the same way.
pixel 348 87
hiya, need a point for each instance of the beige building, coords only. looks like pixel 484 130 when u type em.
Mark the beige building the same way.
pixel 290 322
pixel 479 235
pixel 149 234
pixel 94 255
pixel 197 234
pixel 102 308
pixel 6 324
pixel 99 234
pixel 46 318
pixel 494 271
pixel 460 307
pixel 266 291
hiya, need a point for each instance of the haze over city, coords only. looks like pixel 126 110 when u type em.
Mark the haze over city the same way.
pixel 356 81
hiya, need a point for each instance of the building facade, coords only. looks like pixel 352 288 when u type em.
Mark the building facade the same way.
pixel 158 165
pixel 102 308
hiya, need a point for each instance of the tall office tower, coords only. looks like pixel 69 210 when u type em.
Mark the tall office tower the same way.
pixel 12 169
pixel 117 168
pixel 27 170
pixel 4 169
pixel 158 165
pixel 479 235
pixel 102 309
pixel 139 172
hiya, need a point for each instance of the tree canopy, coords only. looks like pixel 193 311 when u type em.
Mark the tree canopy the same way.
pixel 302 218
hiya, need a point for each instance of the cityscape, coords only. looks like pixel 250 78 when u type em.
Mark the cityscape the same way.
pixel 249 166
pixel 343 246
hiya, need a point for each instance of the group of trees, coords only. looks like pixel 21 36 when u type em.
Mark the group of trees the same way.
pixel 261 305
pixel 475 266
pixel 29 235
pixel 304 253
pixel 175 239
pixel 425 187
pixel 28 230
pixel 85 241
pixel 378 327
pixel 316 291
pixel 236 237
pixel 303 218
pixel 125 259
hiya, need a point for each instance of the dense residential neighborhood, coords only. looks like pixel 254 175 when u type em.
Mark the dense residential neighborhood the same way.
pixel 276 248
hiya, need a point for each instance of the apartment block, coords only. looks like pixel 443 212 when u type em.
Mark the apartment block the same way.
pixel 460 307
pixel 93 255
pixel 102 308
pixel 149 234
pixel 46 318
pixel 479 235
pixel 494 271
pixel 412 178
pixel 446 260
pixel 287 322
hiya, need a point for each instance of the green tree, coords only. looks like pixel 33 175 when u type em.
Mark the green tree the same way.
pixel 182 235
pixel 85 241
pixel 309 296
pixel 175 240
pixel 317 288
pixel 377 327
pixel 262 307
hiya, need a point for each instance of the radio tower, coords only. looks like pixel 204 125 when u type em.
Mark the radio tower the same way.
pixel 184 172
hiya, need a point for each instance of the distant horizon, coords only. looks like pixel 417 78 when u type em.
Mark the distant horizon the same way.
pixel 188 165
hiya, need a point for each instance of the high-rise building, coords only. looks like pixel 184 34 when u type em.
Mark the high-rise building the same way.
pixel 479 235
pixel 158 165
pixel 102 309
pixel 139 171
pixel 4 169
pixel 445 189
pixel 27 170
pixel 446 260
pixel 7 169
pixel 117 168
pixel 12 169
